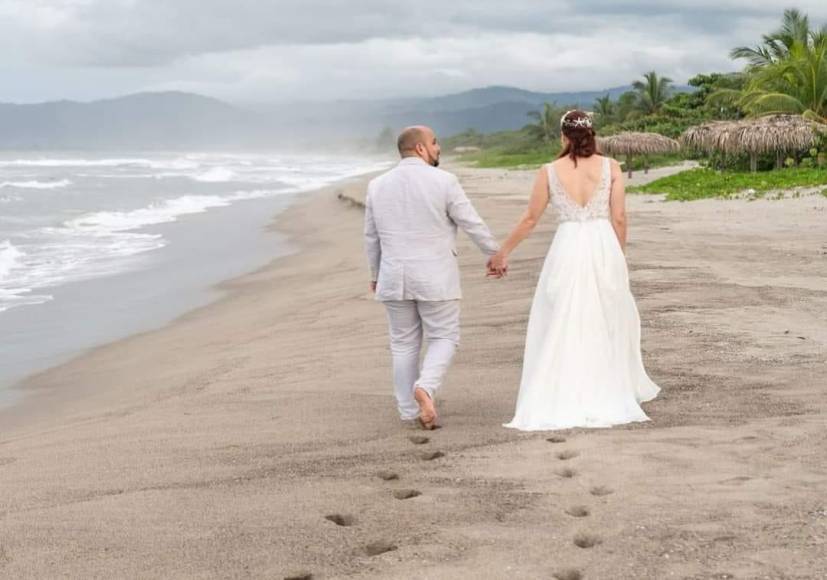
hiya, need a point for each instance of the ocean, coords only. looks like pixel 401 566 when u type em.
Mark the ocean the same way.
pixel 96 247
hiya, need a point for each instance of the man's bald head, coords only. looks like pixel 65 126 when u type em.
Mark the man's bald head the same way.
pixel 411 138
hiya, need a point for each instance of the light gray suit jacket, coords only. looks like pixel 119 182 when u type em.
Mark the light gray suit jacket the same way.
pixel 411 218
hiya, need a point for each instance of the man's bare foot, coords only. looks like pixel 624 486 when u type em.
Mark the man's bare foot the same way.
pixel 427 409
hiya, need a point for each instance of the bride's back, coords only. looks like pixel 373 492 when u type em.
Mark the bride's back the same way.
pixel 580 182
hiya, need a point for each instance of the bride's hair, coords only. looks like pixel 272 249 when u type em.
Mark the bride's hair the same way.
pixel 577 127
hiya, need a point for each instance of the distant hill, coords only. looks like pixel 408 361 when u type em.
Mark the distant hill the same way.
pixel 486 110
pixel 144 120
pixel 496 95
pixel 173 120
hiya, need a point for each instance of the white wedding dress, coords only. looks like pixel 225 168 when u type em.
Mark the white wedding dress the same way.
pixel 582 365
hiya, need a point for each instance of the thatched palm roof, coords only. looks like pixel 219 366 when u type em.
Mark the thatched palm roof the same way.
pixel 770 134
pixel 631 143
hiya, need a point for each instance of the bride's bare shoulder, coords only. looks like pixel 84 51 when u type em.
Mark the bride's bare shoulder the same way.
pixel 614 164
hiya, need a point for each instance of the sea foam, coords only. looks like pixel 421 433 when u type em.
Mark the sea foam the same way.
pixel 34 184
pixel 9 258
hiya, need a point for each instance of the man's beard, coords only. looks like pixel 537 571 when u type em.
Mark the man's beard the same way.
pixel 434 161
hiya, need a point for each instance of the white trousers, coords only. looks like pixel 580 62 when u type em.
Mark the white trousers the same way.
pixel 410 321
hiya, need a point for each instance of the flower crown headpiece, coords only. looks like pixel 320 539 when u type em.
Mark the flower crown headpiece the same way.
pixel 584 122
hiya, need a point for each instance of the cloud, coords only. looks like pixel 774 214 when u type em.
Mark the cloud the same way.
pixel 255 50
pixel 398 67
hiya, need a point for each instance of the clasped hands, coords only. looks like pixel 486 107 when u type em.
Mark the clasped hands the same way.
pixel 497 266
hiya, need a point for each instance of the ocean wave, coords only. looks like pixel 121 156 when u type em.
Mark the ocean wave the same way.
pixel 49 251
pixel 159 213
pixel 20 297
pixel 180 163
pixel 216 175
pixel 12 293
pixel 74 162
pixel 62 256
pixel 9 258
pixel 34 184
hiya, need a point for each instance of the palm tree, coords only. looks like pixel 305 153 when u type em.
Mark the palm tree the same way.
pixel 776 46
pixel 626 106
pixel 797 84
pixel 787 74
pixel 547 125
pixel 652 92
pixel 604 108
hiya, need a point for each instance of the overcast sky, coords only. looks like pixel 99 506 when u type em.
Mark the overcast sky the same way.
pixel 255 51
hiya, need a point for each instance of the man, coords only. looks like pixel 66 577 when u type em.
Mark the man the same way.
pixel 411 219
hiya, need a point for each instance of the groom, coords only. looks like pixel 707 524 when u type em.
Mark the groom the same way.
pixel 411 219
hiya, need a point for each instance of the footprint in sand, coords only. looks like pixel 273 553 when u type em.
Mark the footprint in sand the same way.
pixel 343 520
pixel 406 493
pixel 586 540
pixel 419 439
pixel 565 455
pixel 300 576
pixel 387 475
pixel 566 473
pixel 7 460
pixel 578 511
pixel 570 574
pixel 431 455
pixel 600 490
pixel 379 547
pixel 735 480
pixel 556 439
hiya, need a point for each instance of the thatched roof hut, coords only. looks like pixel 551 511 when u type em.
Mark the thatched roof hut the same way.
pixel 709 137
pixel 630 144
pixel 777 134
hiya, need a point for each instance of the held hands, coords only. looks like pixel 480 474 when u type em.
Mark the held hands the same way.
pixel 497 266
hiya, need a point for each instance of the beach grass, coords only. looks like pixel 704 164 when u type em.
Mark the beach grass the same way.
pixel 705 183
pixel 508 159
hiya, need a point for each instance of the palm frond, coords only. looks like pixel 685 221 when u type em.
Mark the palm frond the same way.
pixel 775 103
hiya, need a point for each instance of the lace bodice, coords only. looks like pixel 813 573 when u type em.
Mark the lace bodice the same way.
pixel 569 210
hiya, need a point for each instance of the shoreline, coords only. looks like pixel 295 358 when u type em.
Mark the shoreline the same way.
pixel 231 442
pixel 19 409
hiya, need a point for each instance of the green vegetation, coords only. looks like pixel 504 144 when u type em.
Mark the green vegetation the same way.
pixel 651 107
pixel 785 73
pixel 508 159
pixel 652 92
pixel 547 123
pixel 704 183
pixel 504 149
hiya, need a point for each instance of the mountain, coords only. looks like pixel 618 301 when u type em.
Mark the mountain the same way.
pixel 486 109
pixel 176 120
pixel 495 95
pixel 144 120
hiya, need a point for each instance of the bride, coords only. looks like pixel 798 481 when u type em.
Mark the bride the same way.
pixel 582 365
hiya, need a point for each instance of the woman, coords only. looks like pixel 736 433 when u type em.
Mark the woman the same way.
pixel 582 365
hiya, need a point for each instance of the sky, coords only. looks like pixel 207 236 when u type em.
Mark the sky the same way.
pixel 263 51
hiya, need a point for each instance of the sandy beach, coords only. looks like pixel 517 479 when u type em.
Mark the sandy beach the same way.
pixel 247 438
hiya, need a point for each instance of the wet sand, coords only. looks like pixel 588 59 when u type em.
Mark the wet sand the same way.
pixel 247 439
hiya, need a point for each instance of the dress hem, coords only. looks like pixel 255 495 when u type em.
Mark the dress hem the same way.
pixel 574 426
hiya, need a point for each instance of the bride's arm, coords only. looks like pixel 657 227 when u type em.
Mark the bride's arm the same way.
pixel 617 204
pixel 537 204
